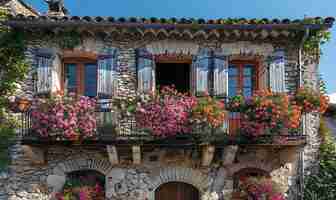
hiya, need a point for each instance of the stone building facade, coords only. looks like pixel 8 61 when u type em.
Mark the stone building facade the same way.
pixel 136 171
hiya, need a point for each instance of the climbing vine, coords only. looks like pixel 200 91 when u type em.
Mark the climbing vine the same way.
pixel 13 69
pixel 316 38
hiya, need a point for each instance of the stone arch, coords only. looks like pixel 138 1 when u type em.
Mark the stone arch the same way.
pixel 178 174
pixel 58 177
pixel 234 168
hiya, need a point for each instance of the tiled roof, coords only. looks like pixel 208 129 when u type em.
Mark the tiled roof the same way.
pixel 314 23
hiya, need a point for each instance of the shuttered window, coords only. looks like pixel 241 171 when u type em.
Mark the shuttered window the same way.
pixel 43 64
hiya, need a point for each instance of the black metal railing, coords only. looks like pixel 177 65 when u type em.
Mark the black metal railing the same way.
pixel 111 128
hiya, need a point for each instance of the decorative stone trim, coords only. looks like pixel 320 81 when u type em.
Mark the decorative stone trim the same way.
pixel 178 174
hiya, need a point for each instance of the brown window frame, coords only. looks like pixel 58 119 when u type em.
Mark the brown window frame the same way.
pixel 80 70
pixel 255 79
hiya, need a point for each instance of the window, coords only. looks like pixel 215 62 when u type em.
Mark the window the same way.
pixel 80 77
pixel 177 74
pixel 242 78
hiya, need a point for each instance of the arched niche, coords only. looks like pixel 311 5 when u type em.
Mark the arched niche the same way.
pixel 60 172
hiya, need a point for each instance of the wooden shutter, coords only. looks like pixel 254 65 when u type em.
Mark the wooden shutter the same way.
pixel 90 84
pixel 106 74
pixel 145 71
pixel 200 71
pixel 277 72
pixel 220 75
pixel 43 63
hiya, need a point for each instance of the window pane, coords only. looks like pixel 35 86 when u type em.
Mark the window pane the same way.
pixel 90 80
pixel 70 77
pixel 233 82
pixel 232 91
pixel 233 71
pixel 247 92
pixel 247 82
pixel 248 70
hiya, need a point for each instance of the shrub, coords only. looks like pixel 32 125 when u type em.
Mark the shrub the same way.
pixel 322 185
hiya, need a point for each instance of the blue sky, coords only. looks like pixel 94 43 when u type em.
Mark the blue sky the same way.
pixel 215 9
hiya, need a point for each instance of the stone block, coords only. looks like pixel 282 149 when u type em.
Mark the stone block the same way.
pixel 112 154
pixel 207 155
pixel 229 154
pixel 56 182
pixel 36 155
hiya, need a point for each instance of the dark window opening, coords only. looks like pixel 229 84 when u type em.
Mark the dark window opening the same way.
pixel 177 74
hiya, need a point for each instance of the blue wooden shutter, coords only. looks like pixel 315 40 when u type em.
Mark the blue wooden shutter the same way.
pixel 277 72
pixel 90 80
pixel 200 71
pixel 106 73
pixel 145 71
pixel 43 63
pixel 220 75
pixel 71 78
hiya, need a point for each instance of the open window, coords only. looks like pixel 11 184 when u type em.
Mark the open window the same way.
pixel 177 74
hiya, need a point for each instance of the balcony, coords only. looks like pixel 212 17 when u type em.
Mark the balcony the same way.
pixel 171 119
pixel 113 130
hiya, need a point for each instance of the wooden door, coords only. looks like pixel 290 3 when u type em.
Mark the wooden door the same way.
pixel 176 191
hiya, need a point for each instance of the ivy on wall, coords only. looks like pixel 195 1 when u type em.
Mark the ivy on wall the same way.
pixel 13 69
pixel 316 38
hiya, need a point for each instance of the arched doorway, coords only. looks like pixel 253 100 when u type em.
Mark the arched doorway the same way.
pixel 176 191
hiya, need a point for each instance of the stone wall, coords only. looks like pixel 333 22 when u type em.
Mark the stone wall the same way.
pixel 28 181
pixel 126 181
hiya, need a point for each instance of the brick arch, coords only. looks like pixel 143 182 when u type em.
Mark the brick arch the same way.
pixel 178 174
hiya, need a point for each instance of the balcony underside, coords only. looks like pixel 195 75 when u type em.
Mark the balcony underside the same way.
pixel 185 140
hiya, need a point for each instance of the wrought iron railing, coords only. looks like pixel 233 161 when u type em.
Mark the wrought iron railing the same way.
pixel 111 128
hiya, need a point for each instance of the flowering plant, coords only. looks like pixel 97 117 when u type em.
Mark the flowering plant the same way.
pixel 83 189
pixel 74 117
pixel 210 111
pixel 236 104
pixel 165 113
pixel 266 113
pixel 311 101
pixel 260 189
